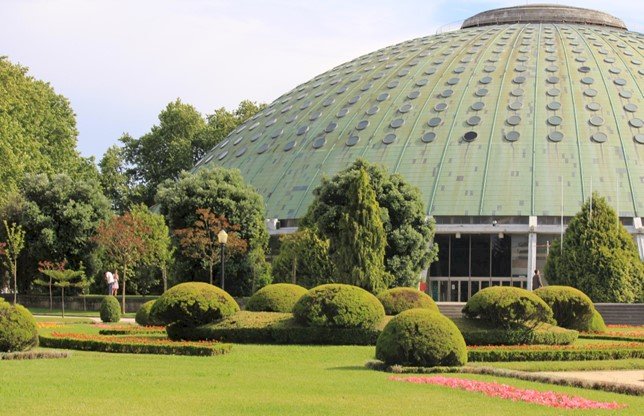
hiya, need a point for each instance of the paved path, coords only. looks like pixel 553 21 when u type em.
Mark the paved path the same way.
pixel 630 377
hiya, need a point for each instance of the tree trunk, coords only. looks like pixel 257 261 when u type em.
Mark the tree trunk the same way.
pixel 164 276
pixel 294 271
pixel 51 296
pixel 15 280
pixel 62 301
pixel 123 293
pixel 210 271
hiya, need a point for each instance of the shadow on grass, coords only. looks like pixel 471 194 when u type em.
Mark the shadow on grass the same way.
pixel 348 368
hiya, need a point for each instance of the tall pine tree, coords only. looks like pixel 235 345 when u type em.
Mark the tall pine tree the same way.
pixel 360 244
pixel 598 256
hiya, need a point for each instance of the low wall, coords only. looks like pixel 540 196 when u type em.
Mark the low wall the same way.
pixel 77 303
pixel 613 313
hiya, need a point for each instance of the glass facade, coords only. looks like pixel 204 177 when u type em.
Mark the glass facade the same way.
pixel 468 263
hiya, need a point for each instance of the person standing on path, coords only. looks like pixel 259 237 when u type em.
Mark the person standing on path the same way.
pixel 109 279
pixel 115 286
pixel 536 280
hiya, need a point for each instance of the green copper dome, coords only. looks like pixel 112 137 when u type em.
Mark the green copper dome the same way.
pixel 491 119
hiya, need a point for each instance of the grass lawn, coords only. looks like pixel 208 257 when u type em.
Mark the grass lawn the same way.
pixel 600 365
pixel 58 312
pixel 251 380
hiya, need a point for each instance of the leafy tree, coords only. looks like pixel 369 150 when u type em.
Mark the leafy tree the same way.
pixel 114 180
pixel 48 266
pixel 409 234
pixel 15 242
pixel 159 251
pixel 224 192
pixel 63 278
pixel 303 259
pixel 598 256
pixel 201 241
pixel 359 248
pixel 123 238
pixel 59 216
pixel 38 130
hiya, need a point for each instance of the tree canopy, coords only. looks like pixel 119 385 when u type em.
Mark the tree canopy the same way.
pixel 38 130
pixel 409 234
pixel 598 256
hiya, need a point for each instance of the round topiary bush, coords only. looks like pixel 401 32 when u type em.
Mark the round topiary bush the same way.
pixel 110 309
pixel 280 297
pixel 572 309
pixel 421 337
pixel 505 307
pixel 193 304
pixel 400 299
pixel 339 306
pixel 596 323
pixel 143 314
pixel 18 331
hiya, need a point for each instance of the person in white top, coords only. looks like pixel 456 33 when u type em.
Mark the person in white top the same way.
pixel 109 279
pixel 115 286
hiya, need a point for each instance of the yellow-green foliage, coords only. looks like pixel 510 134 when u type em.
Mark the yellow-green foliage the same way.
pixel 110 309
pixel 18 330
pixel 339 306
pixel 505 307
pixel 193 304
pixel 280 297
pixel 400 299
pixel 143 314
pixel 421 337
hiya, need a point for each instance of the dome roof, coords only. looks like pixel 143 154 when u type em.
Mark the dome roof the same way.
pixel 486 120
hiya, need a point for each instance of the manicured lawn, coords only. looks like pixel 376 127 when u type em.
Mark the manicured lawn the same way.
pixel 628 364
pixel 58 312
pixel 251 380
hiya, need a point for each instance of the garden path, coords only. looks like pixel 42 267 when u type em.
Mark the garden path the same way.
pixel 630 377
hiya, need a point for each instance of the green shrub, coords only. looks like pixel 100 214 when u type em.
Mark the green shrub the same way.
pixel 119 345
pixel 421 337
pixel 18 330
pixel 400 299
pixel 193 304
pixel 596 323
pixel 478 332
pixel 571 307
pixel 339 306
pixel 143 317
pixel 507 307
pixel 280 297
pixel 554 355
pixel 110 309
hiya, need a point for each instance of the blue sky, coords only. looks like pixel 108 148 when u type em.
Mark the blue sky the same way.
pixel 121 61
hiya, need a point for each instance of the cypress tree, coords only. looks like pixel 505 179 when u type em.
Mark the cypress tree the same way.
pixel 359 247
pixel 599 256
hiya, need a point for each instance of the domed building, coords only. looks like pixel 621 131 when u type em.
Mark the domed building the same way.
pixel 506 126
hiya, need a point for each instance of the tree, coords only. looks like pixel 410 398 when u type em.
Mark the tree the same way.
pixel 359 247
pixel 159 252
pixel 59 216
pixel 222 191
pixel 63 278
pixel 114 180
pixel 303 259
pixel 38 130
pixel 123 239
pixel 200 241
pixel 44 266
pixel 598 256
pixel 409 233
pixel 15 242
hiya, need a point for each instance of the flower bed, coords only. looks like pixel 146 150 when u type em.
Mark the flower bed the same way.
pixel 504 391
pixel 608 351
pixel 132 344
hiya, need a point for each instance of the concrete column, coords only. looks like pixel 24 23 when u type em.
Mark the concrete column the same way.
pixel 639 236
pixel 532 250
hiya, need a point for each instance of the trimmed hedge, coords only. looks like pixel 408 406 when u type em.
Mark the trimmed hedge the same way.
pixel 272 328
pixel 34 355
pixel 110 309
pixel 554 355
pixel 571 308
pixel 400 299
pixel 143 314
pixel 597 323
pixel 506 307
pixel 18 331
pixel 280 297
pixel 121 345
pixel 478 332
pixel 421 337
pixel 193 304
pixel 339 306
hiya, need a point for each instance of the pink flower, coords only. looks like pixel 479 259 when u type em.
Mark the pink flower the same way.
pixel 494 389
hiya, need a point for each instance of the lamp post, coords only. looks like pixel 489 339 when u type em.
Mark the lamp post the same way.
pixel 222 236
